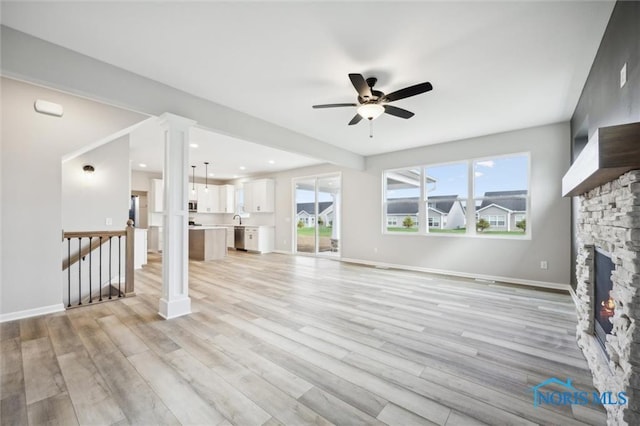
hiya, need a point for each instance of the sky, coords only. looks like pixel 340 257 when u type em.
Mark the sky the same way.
pixel 497 174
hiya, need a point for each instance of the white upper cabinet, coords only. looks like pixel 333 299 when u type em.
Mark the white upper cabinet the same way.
pixel 215 199
pixel 259 196
pixel 208 198
pixel 227 194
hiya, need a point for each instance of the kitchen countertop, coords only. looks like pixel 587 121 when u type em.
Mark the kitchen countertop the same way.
pixel 203 227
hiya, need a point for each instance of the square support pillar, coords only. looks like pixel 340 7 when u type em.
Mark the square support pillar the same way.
pixel 175 299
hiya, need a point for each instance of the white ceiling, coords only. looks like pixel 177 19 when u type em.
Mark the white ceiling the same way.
pixel 495 66
pixel 229 158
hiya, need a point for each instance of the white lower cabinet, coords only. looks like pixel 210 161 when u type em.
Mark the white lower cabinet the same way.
pixel 140 248
pixel 231 237
pixel 259 238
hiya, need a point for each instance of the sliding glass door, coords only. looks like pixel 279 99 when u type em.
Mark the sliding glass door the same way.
pixel 317 220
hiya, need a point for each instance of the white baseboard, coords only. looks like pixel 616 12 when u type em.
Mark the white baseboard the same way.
pixel 574 296
pixel 281 252
pixel 510 280
pixel 11 316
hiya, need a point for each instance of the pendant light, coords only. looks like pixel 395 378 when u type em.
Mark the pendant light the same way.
pixel 193 180
pixel 206 174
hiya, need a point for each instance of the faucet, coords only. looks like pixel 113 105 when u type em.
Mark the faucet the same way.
pixel 239 218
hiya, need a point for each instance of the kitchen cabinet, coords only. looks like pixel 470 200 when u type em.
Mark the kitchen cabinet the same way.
pixel 157 196
pixel 231 237
pixel 208 198
pixel 154 239
pixel 227 196
pixel 140 248
pixel 259 238
pixel 207 242
pixel 259 196
pixel 216 199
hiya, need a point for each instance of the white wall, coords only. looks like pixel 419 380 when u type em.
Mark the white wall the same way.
pixel 516 260
pixel 32 148
pixel 88 200
pixel 140 181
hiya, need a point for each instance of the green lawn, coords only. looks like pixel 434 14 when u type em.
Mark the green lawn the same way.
pixel 403 229
pixel 310 231
pixel 501 232
pixel 453 231
pixel 447 231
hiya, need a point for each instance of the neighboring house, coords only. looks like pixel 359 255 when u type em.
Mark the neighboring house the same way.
pixel 400 208
pixel 451 211
pixel 306 213
pixel 503 209
pixel 444 212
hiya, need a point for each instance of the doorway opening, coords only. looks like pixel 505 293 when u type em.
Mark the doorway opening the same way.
pixel 317 215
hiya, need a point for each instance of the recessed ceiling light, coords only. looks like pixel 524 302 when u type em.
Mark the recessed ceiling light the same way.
pixel 242 167
pixel 211 174
pixel 194 145
pixel 142 165
pixel 272 162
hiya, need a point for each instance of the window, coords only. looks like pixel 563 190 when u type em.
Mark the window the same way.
pixel 494 191
pixel 495 221
pixel 402 200
pixel 501 194
pixel 445 193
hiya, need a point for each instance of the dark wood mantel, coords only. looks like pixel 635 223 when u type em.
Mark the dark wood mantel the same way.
pixel 611 151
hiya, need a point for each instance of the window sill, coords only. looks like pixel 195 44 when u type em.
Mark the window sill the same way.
pixel 526 237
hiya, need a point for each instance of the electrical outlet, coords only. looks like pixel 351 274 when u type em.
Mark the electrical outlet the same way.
pixel 108 221
pixel 544 264
pixel 623 75
pixel 375 249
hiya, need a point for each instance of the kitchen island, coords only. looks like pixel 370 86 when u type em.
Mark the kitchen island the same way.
pixel 207 242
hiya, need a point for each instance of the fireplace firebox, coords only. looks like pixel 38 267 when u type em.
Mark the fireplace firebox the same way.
pixel 604 305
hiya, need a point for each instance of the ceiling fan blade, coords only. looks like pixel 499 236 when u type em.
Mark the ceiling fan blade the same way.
pixel 361 85
pixel 334 105
pixel 408 91
pixel 398 112
pixel 355 120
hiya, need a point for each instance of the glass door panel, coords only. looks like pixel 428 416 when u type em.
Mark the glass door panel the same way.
pixel 305 204
pixel 328 221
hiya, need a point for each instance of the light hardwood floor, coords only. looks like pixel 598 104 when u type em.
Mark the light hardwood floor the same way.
pixel 284 340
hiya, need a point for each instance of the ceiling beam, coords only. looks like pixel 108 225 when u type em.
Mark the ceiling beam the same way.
pixel 34 60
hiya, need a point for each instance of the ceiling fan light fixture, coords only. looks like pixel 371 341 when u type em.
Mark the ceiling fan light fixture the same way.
pixel 370 111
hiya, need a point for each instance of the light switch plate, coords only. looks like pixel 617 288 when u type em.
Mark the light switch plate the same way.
pixel 623 75
pixel 108 221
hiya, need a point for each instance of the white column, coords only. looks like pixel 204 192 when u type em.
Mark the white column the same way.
pixel 175 299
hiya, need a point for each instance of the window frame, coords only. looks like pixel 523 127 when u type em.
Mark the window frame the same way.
pixel 471 215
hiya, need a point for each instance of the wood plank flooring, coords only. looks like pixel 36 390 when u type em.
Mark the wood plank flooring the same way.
pixel 284 340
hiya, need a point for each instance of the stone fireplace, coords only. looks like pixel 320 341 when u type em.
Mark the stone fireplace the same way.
pixel 608 226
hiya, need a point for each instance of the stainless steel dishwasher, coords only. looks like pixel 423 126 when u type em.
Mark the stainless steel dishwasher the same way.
pixel 239 237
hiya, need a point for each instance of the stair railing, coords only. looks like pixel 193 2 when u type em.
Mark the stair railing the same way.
pixel 81 248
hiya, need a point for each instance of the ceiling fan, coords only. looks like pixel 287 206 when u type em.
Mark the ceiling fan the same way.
pixel 372 103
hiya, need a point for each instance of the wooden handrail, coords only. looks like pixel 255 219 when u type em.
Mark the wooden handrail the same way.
pixel 85 251
pixel 96 234
pixel 102 237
